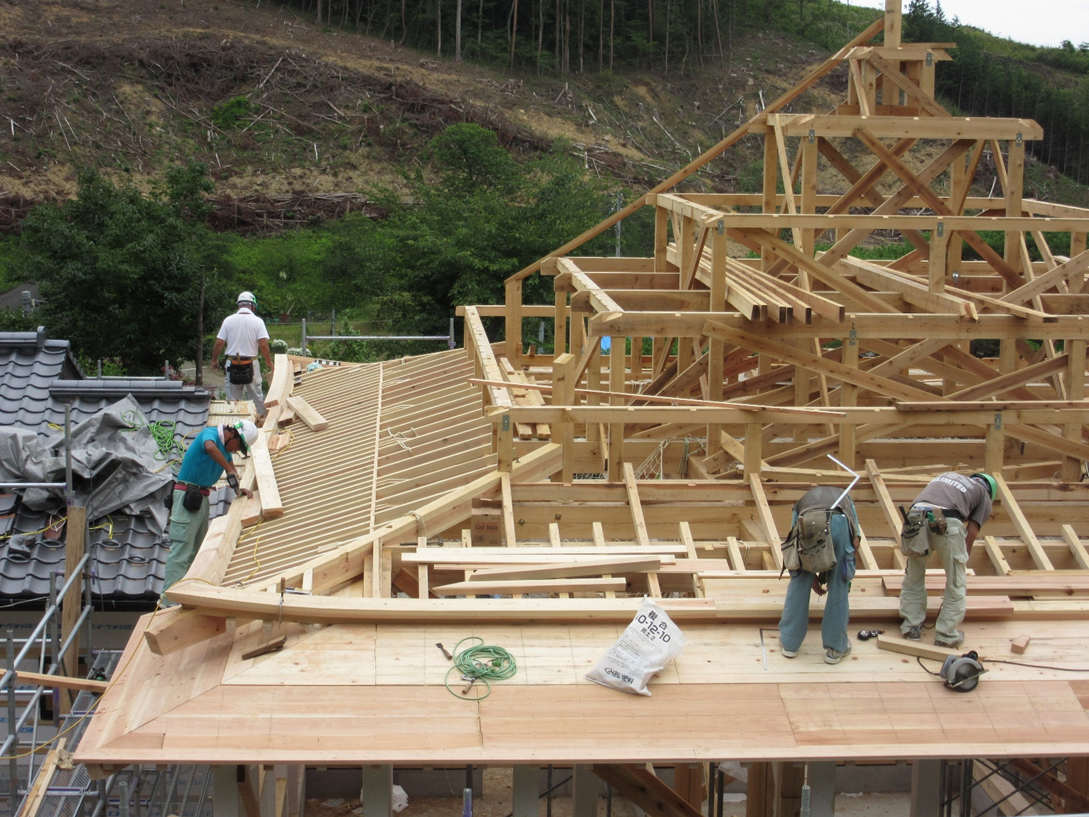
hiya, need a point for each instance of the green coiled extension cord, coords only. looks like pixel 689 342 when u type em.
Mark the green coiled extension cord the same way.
pixel 170 447
pixel 482 662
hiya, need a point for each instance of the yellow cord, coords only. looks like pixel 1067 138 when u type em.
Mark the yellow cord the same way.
pixel 255 545
pixel 55 524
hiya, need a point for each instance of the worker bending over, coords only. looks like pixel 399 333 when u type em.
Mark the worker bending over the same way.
pixel 945 518
pixel 204 462
pixel 815 518
pixel 244 334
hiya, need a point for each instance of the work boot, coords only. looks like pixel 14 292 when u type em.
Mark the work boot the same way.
pixel 950 643
pixel 833 656
pixel 913 634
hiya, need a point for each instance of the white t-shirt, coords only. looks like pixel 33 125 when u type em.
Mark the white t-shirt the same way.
pixel 241 332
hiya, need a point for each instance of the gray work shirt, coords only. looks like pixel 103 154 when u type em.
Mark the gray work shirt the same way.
pixel 955 492
pixel 822 497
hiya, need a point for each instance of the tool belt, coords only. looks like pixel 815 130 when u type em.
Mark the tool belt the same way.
pixel 240 370
pixel 915 534
pixel 809 545
pixel 194 495
pixel 185 486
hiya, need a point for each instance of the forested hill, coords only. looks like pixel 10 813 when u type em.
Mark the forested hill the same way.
pixel 993 77
pixel 298 106
pixel 171 132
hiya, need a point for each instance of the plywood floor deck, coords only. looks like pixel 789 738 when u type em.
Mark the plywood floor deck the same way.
pixel 355 694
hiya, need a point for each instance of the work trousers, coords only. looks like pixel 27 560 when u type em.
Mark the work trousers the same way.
pixel 248 391
pixel 187 531
pixel 795 621
pixel 953 552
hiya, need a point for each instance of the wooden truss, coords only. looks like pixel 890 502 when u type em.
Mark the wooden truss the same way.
pixel 531 498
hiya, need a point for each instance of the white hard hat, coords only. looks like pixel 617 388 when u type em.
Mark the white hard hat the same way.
pixel 246 298
pixel 247 434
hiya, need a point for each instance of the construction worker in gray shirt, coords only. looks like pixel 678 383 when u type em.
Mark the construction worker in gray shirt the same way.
pixel 944 518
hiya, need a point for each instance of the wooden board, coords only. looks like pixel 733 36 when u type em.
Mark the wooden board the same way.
pixel 875 705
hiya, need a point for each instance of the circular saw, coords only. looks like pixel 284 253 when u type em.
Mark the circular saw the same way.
pixel 961 672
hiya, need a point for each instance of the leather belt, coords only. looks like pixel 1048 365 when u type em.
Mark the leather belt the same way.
pixel 948 512
pixel 185 486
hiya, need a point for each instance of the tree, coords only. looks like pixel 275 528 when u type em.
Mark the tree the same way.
pixel 119 270
pixel 481 219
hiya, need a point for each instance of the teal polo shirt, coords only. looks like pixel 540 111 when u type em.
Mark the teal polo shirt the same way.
pixel 197 466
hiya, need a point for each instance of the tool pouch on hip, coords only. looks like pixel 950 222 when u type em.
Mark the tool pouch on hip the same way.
pixel 193 499
pixel 815 547
pixel 915 536
pixel 240 373
pixel 809 546
pixel 935 519
pixel 791 560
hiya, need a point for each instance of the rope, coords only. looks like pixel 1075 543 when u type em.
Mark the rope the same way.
pixel 482 662
pixel 163 432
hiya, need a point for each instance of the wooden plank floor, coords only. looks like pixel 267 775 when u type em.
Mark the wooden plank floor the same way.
pixel 375 693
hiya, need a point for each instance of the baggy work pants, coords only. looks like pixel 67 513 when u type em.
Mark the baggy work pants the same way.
pixel 952 549
pixel 248 391
pixel 795 621
pixel 187 531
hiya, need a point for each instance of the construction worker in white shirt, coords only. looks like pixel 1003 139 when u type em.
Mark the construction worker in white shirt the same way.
pixel 244 335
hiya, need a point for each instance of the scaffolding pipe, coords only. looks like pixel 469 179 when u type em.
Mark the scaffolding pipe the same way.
pixel 69 499
pixel 13 733
pixel 8 678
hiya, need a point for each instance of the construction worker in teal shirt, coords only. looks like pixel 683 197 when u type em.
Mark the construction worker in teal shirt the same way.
pixel 204 462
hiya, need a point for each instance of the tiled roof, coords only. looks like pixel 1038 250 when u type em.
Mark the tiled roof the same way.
pixel 128 558
pixel 38 378
pixel 29 364
pixel 164 401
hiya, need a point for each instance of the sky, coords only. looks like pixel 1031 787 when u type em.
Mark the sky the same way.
pixel 1044 22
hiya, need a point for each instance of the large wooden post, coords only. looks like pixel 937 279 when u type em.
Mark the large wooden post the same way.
pixel 926 795
pixel 1077 777
pixel 525 793
pixel 848 438
pixel 378 791
pixel 225 782
pixel 72 603
pixel 893 23
pixel 513 326
pixel 617 358
pixel 585 792
pixel 1075 390
pixel 716 348
pixel 661 239
pixel 821 777
pixel 563 389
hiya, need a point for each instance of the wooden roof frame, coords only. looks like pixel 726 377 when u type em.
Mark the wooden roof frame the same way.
pixel 593 477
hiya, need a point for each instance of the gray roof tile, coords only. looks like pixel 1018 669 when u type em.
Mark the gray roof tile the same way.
pixel 38 378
